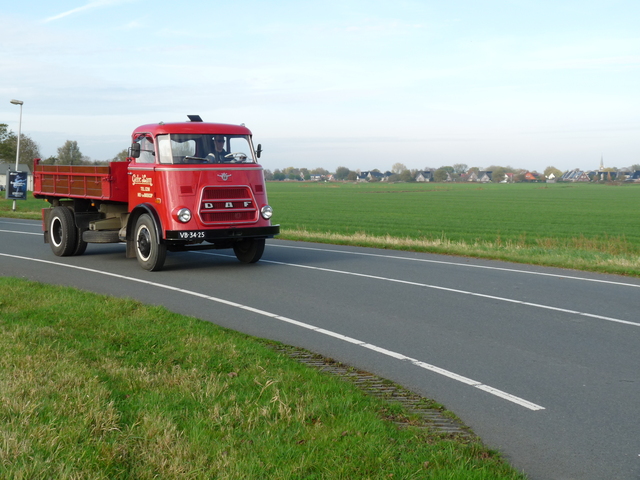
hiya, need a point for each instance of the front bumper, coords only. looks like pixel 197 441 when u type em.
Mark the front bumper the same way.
pixel 222 234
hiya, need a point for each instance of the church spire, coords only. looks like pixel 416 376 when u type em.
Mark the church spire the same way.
pixel 601 163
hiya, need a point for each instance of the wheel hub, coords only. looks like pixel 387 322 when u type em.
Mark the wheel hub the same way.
pixel 144 242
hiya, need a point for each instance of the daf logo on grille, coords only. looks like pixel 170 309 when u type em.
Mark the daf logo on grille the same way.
pixel 224 176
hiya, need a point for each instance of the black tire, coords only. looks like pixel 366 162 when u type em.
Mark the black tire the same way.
pixel 101 236
pixel 249 250
pixel 150 253
pixel 81 245
pixel 63 233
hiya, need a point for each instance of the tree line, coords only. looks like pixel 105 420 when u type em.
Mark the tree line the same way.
pixel 70 154
pixel 400 173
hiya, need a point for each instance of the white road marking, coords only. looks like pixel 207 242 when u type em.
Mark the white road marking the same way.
pixel 441 371
pixel 457 264
pixel 447 289
pixel 424 260
pixel 21 233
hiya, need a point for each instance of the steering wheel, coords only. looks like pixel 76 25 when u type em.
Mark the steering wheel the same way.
pixel 238 157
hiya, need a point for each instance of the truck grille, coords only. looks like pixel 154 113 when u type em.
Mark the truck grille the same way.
pixel 228 205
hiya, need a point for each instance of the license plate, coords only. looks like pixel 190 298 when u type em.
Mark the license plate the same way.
pixel 191 235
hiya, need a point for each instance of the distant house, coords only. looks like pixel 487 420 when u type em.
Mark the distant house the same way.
pixel 609 176
pixel 485 177
pixel 369 176
pixel 633 177
pixel 481 177
pixel 569 175
pixel 362 177
pixel 508 178
pixel 575 175
pixel 375 176
pixel 426 176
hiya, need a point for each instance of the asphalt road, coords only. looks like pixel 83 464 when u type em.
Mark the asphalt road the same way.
pixel 542 363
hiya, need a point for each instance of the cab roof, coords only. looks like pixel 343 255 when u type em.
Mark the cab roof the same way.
pixel 192 128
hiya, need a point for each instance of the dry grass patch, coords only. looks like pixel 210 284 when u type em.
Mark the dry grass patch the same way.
pixel 598 255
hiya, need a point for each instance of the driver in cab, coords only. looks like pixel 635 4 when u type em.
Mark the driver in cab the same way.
pixel 219 153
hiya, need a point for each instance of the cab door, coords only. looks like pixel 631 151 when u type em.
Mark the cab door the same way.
pixel 143 184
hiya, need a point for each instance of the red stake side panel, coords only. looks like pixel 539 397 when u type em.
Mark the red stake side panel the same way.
pixel 100 182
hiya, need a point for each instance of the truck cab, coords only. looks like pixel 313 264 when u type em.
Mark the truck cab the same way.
pixel 190 185
pixel 202 184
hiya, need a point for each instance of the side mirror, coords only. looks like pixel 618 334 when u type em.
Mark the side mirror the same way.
pixel 259 150
pixel 134 151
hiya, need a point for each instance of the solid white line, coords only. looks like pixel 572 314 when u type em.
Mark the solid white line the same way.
pixel 383 351
pixel 465 265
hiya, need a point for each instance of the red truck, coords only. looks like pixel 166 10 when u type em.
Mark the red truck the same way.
pixel 185 186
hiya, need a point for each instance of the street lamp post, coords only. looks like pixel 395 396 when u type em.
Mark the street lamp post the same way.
pixel 18 102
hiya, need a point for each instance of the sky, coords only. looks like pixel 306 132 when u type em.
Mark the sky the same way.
pixel 362 84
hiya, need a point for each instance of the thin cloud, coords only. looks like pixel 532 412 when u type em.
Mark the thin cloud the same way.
pixel 84 8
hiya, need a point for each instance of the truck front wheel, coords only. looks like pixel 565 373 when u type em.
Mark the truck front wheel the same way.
pixel 63 234
pixel 249 250
pixel 149 251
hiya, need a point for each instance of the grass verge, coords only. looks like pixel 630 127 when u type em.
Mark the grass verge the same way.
pixel 103 388
pixel 28 209
pixel 577 253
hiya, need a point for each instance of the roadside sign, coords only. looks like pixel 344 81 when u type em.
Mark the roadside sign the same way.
pixel 16 185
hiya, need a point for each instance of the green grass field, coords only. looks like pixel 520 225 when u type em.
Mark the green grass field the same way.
pixel 585 226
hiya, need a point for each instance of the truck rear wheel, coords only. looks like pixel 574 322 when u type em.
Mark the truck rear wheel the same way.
pixel 81 245
pixel 249 250
pixel 150 253
pixel 63 234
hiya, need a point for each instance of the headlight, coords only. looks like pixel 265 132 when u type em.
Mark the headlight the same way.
pixel 266 212
pixel 184 215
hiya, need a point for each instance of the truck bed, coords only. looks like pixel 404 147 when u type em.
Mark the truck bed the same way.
pixel 99 182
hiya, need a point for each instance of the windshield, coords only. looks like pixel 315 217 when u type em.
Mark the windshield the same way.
pixel 185 148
